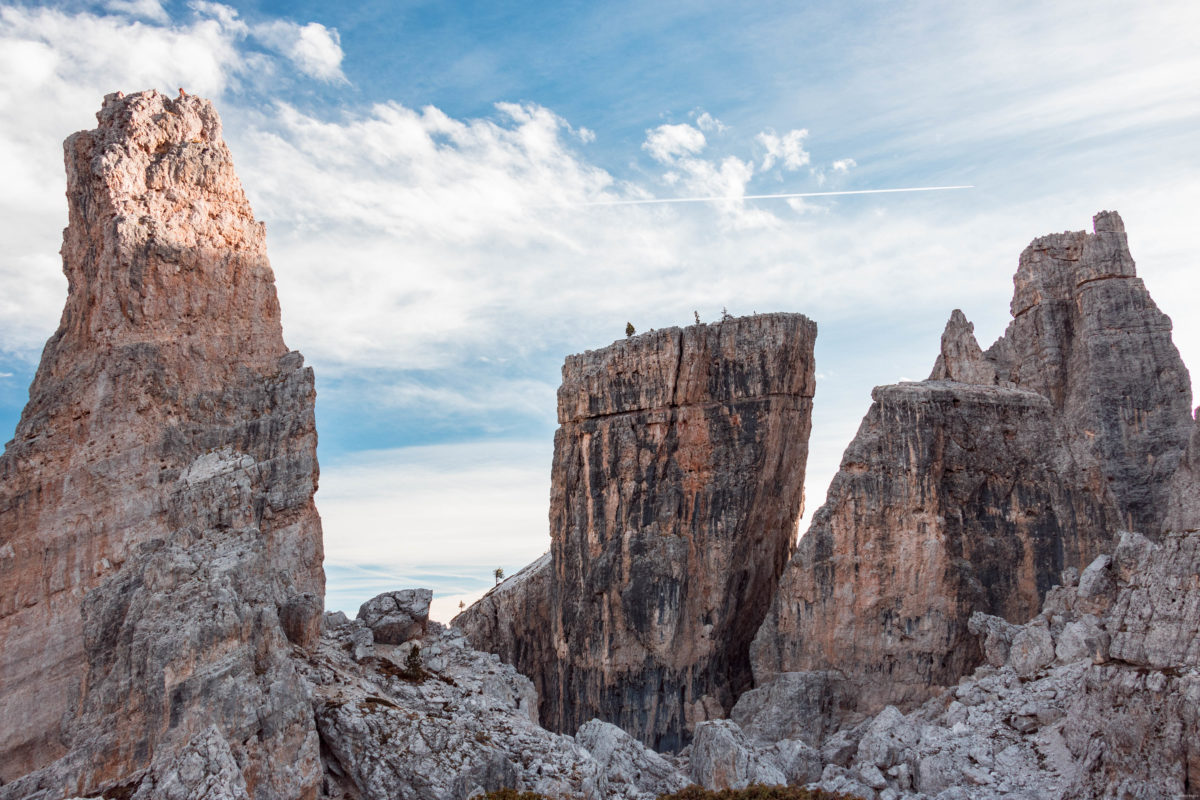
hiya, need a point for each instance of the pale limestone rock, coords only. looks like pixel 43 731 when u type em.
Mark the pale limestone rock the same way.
pixel 466 725
pixel 997 635
pixel 722 758
pixel 396 617
pixel 626 762
pixel 1032 648
pixel 962 359
pixel 1077 727
pixel 795 705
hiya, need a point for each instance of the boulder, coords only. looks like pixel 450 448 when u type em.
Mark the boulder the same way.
pixel 396 617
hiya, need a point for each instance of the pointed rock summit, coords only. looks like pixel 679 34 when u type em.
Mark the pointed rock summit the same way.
pixel 160 553
pixel 974 490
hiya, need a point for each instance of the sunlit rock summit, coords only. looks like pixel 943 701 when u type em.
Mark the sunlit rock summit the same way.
pixel 161 550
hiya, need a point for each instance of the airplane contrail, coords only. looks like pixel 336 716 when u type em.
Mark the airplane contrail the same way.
pixel 657 200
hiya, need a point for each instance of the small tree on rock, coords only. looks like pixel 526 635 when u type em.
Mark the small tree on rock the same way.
pixel 499 573
pixel 629 329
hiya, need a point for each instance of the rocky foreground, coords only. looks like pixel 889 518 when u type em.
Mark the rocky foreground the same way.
pixel 1000 598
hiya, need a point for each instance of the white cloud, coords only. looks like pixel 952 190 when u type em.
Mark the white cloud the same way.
pixel 668 142
pixel 844 165
pixel 314 49
pixel 150 10
pixel 406 239
pixel 707 122
pixel 789 149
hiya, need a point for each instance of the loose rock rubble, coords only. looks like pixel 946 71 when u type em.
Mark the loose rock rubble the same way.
pixel 459 724
pixel 1098 696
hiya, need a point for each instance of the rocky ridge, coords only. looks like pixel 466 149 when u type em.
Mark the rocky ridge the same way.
pixel 972 491
pixel 676 485
pixel 1096 696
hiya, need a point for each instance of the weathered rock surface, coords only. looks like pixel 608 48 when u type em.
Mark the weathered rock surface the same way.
pixel 513 619
pixel 1086 334
pixel 1098 697
pixel 1183 511
pixel 396 617
pixel 1102 720
pixel 156 513
pixel 465 723
pixel 677 482
pixel 972 491
pixel 952 498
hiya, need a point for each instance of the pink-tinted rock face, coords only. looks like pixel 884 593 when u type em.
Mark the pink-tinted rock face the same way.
pixel 156 512
pixel 677 481
pixel 971 491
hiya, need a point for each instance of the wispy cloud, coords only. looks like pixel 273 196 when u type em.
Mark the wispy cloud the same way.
pixel 413 245
pixel 446 515
pixel 314 49
pixel 151 10
pixel 787 150
pixel 668 142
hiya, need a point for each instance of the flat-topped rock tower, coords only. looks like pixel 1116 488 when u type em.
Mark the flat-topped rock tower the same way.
pixel 676 486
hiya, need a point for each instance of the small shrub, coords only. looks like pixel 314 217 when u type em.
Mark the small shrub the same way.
pixel 629 329
pixel 413 670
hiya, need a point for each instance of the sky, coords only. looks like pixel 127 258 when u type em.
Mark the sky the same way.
pixel 433 177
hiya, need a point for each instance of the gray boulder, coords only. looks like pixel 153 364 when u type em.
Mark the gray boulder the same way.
pixel 396 617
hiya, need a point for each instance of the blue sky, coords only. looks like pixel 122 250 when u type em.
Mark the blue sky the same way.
pixel 423 169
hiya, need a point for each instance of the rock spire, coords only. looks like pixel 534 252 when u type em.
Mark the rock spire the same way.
pixel 160 553
pixel 972 491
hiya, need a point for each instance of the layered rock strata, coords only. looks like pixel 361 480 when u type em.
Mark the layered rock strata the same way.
pixel 161 550
pixel 973 490
pixel 676 486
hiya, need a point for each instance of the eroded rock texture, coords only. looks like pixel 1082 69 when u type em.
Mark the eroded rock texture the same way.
pixel 973 490
pixel 1098 696
pixel 677 482
pixel 156 511
pixel 952 498
pixel 461 724
pixel 1086 334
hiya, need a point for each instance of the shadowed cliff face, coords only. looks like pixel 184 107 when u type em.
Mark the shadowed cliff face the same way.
pixel 677 481
pixel 951 499
pixel 973 490
pixel 156 517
